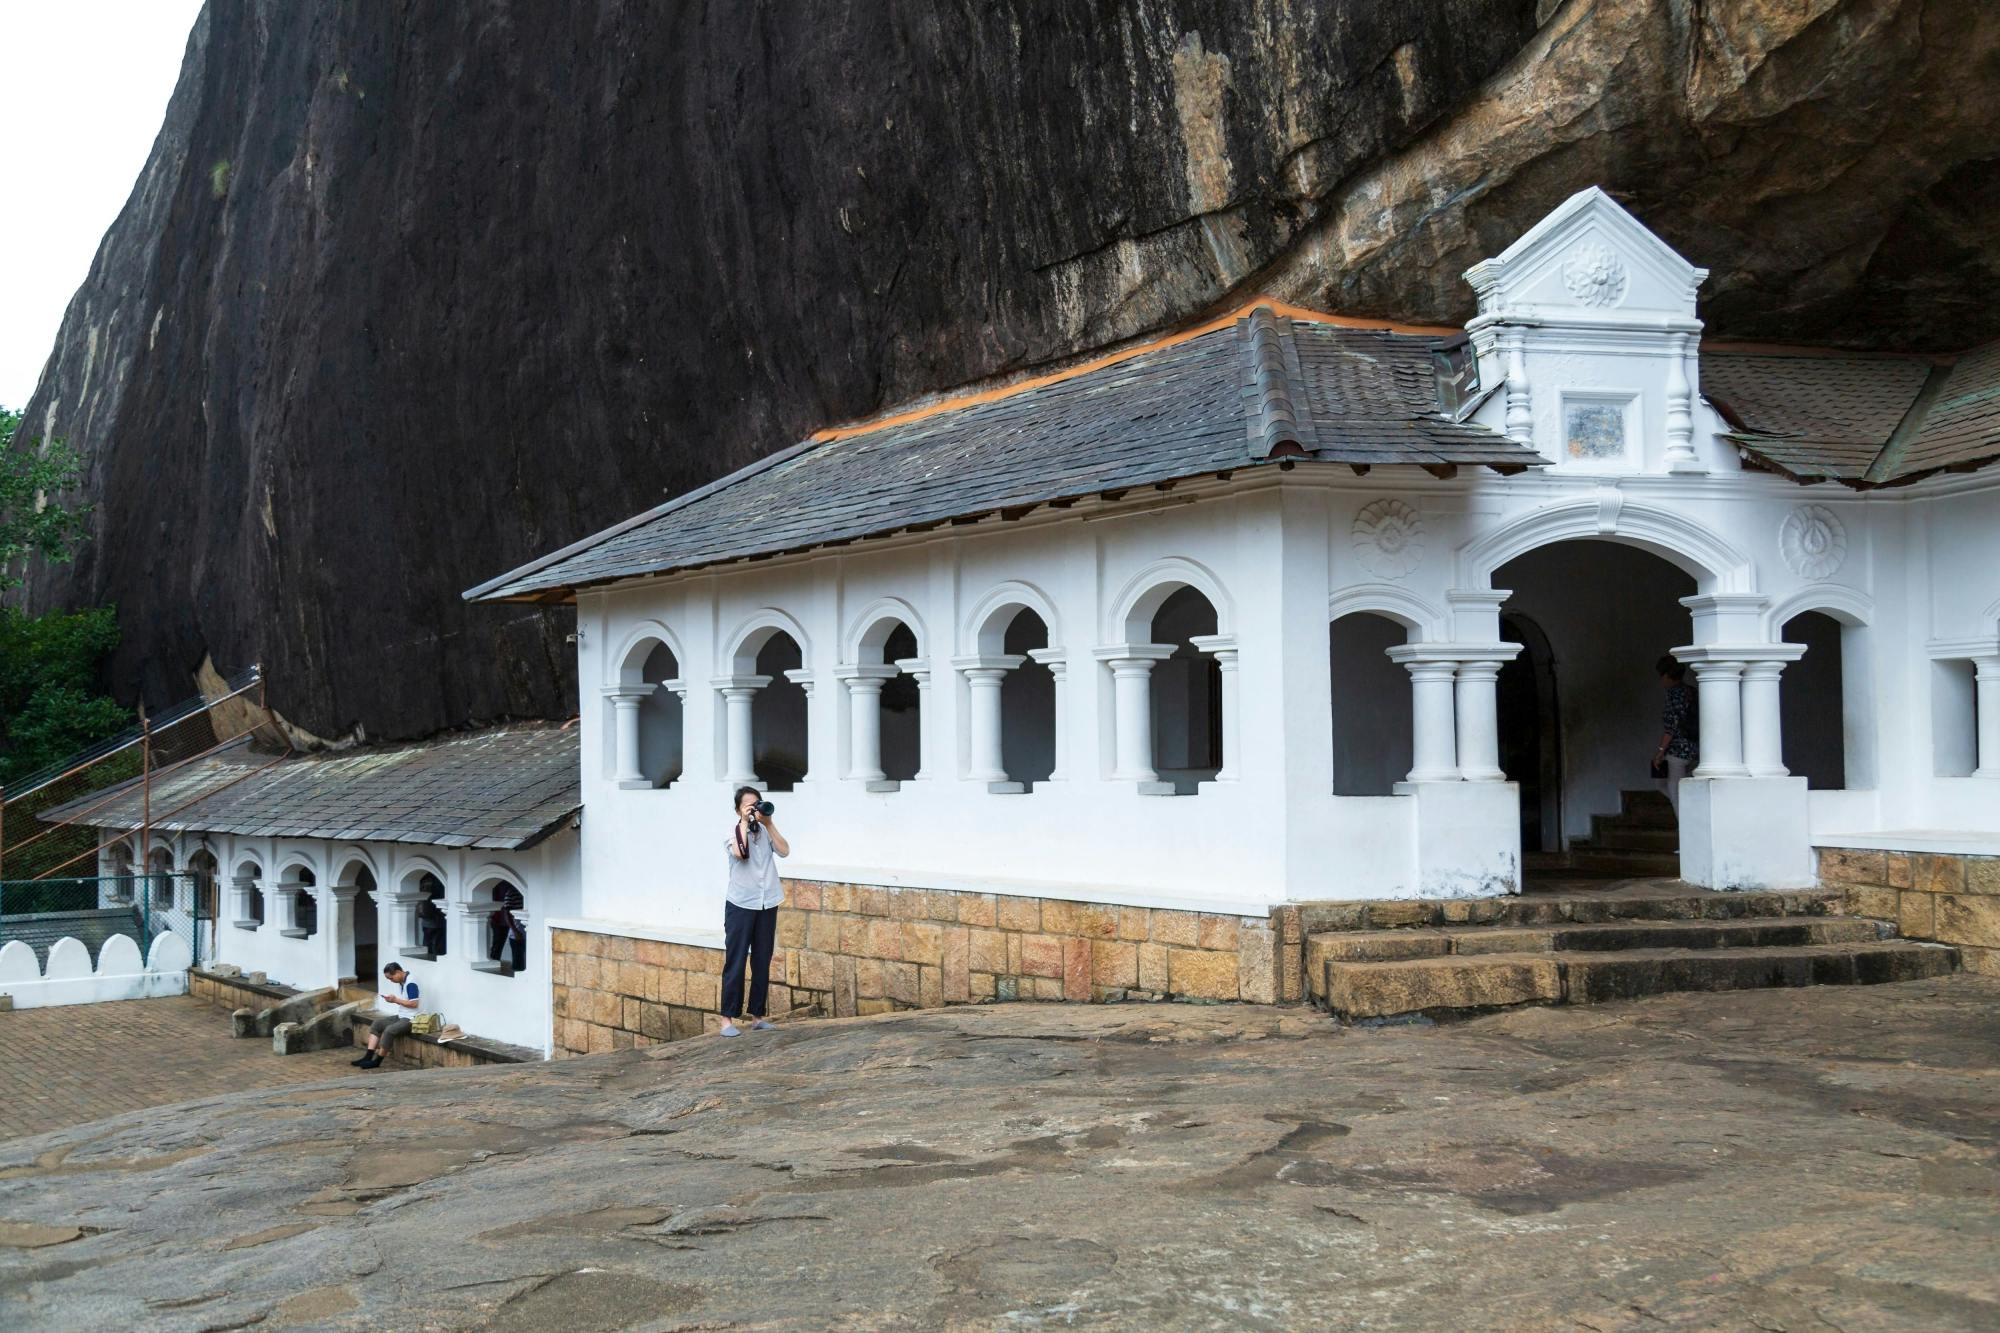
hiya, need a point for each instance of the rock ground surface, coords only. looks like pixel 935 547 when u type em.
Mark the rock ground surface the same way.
pixel 1779 1159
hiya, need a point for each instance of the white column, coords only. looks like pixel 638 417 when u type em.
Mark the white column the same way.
pixel 1681 455
pixel 1433 716
pixel 984 677
pixel 740 741
pixel 803 678
pixel 340 939
pixel 1719 686
pixel 1058 664
pixel 1520 412
pixel 919 669
pixel 625 701
pixel 864 721
pixel 241 887
pixel 1433 746
pixel 1479 719
pixel 1986 683
pixel 402 934
pixel 469 948
pixel 1222 647
pixel 1763 739
pixel 1132 701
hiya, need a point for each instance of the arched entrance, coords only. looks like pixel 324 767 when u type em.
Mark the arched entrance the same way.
pixel 1606 612
pixel 1531 732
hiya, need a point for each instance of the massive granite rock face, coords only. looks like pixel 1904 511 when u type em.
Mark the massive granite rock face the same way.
pixel 409 294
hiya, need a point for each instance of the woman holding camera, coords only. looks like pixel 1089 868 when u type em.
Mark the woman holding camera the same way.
pixel 750 912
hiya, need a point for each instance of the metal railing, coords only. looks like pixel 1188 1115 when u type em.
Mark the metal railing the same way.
pixel 50 821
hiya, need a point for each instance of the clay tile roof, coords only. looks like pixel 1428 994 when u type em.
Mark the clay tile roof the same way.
pixel 1960 426
pixel 505 788
pixel 1215 400
pixel 1863 420
pixel 1813 416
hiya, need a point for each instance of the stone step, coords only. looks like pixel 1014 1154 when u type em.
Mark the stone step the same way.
pixel 1585 858
pixel 1360 990
pixel 1615 834
pixel 1374 946
pixel 1647 807
pixel 1670 901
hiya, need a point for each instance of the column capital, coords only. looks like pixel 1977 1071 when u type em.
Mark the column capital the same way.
pixel 1222 647
pixel 1147 653
pixel 802 677
pixel 994 662
pixel 343 893
pixel 676 687
pixel 1055 659
pixel 866 675
pixel 632 695
pixel 1694 654
pixel 1986 666
pixel 919 667
pixel 743 684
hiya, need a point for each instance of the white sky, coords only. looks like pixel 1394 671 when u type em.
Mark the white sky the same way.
pixel 86 89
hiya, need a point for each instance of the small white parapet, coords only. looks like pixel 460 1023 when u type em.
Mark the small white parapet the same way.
pixel 120 974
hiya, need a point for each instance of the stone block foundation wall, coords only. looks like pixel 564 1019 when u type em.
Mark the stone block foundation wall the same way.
pixel 858 949
pixel 1948 898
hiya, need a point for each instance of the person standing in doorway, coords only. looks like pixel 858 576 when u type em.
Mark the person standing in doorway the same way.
pixel 750 909
pixel 1678 729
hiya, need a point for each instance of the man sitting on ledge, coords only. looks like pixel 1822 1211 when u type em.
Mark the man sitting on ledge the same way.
pixel 392 1024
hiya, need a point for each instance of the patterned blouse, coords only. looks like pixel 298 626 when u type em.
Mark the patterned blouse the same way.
pixel 1677 720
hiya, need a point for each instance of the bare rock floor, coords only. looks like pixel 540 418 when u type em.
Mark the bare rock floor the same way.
pixel 1775 1159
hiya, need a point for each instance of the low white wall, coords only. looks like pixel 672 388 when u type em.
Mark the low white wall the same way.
pixel 120 974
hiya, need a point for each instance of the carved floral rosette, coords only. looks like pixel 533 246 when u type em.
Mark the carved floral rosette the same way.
pixel 1594 274
pixel 1813 542
pixel 1389 538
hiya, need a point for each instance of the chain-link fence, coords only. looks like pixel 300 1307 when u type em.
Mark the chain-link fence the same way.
pixel 91 909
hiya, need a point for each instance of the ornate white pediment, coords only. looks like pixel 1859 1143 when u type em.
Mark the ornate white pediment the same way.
pixel 1590 262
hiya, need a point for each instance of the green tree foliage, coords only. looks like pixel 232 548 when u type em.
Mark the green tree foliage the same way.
pixel 33 521
pixel 49 706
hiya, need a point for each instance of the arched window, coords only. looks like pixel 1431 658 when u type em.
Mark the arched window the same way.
pixel 1028 703
pixel 426 924
pixel 1371 705
pixel 248 884
pixel 359 942
pixel 1824 704
pixel 1187 694
pixel 301 904
pixel 202 869
pixel 778 715
pixel 505 944
pixel 160 882
pixel 885 703
pixel 660 719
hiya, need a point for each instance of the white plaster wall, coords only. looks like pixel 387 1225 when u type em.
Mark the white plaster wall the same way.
pixel 1283 557
pixel 510 1009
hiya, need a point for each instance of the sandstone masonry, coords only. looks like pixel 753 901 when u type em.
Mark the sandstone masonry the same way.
pixel 859 949
pixel 1930 896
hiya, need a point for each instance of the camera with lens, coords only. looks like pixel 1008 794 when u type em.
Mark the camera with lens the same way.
pixel 764 807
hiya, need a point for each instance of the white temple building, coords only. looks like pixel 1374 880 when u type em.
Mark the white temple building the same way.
pixel 1293 607
pixel 1284 608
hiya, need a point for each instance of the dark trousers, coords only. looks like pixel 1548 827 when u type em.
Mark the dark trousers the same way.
pixel 747 935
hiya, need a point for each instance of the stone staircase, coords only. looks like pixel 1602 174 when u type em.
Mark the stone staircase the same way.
pixel 1641 841
pixel 1585 948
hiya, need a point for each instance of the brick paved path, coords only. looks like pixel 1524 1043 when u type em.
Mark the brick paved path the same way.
pixel 78 1063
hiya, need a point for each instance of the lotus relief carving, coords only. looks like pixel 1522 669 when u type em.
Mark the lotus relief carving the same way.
pixel 1389 538
pixel 1813 542
pixel 1594 274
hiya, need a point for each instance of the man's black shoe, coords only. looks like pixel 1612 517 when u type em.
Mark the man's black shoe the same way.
pixel 363 1060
